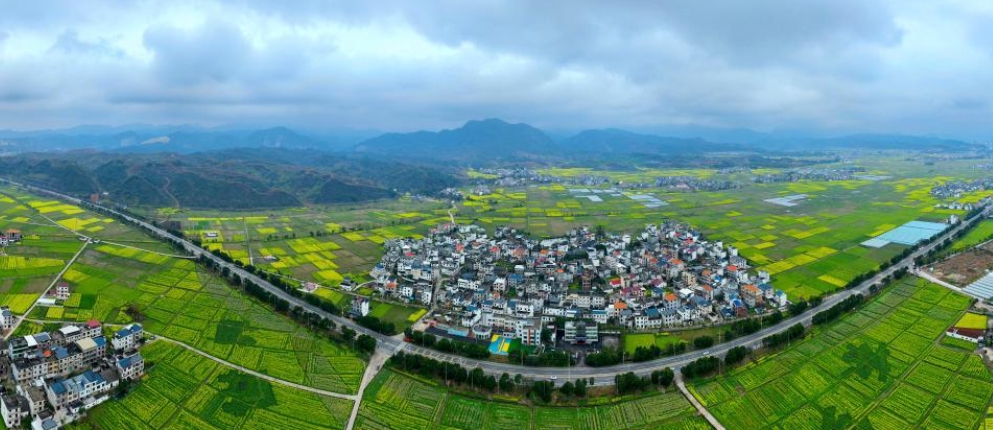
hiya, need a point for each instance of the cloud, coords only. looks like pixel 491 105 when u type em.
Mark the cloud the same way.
pixel 214 52
pixel 836 66
pixel 70 43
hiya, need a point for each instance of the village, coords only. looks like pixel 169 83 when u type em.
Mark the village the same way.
pixel 51 379
pixel 513 286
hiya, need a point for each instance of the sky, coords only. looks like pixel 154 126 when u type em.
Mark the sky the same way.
pixel 837 66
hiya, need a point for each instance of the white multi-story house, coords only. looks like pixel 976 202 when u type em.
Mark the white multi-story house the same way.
pixel 6 318
pixel 360 306
pixel 127 338
pixel 131 367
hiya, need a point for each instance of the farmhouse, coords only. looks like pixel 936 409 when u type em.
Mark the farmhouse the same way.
pixel 6 318
pixel 127 338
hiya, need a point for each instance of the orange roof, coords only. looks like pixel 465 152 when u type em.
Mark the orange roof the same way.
pixel 750 288
pixel 620 305
pixel 706 272
pixel 676 261
pixel 670 297
pixel 733 268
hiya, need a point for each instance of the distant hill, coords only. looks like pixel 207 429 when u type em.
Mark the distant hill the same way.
pixel 235 179
pixel 146 139
pixel 490 139
pixel 617 141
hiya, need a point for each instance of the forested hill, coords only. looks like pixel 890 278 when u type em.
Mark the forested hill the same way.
pixel 233 179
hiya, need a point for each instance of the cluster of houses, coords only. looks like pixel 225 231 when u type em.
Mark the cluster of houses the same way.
pixel 955 189
pixel 51 379
pixel 689 183
pixel 10 237
pixel 513 285
pixel 840 174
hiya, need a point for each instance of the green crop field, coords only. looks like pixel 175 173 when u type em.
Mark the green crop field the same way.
pixel 185 390
pixel 811 249
pixel 182 303
pixel 634 340
pixel 980 233
pixel 877 368
pixel 396 401
pixel 310 243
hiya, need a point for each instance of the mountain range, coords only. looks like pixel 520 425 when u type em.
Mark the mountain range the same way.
pixel 191 166
pixel 489 140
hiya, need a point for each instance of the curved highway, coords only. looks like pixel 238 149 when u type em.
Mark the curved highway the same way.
pixel 601 375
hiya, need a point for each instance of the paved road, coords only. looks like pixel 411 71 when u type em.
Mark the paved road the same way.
pixel 601 374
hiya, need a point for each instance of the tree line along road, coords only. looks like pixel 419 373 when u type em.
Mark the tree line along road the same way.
pixel 601 375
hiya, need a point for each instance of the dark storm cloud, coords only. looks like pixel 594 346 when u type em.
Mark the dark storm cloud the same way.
pixel 843 65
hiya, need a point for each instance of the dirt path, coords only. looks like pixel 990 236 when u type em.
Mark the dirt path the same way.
pixel 930 278
pixel 248 241
pixel 696 404
pixel 375 364
pixel 351 397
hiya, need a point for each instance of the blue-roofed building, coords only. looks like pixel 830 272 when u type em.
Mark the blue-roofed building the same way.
pixel 62 392
pixel 131 367
pixel 6 318
pixel 766 290
pixel 127 338
pixel 60 353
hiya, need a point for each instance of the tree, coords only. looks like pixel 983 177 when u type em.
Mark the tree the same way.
pixel 543 390
pixel 703 342
pixel 567 389
pixel 506 384
pixel 347 334
pixel 366 343
pixel 546 336
pixel 664 377
pixel 736 355
pixel 580 388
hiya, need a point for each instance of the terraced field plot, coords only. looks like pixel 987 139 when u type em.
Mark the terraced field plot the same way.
pixel 181 303
pixel 396 401
pixel 187 391
pixel 879 367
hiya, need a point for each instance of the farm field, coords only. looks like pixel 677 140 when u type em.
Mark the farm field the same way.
pixel 634 340
pixel 28 267
pixel 321 245
pixel 811 249
pixel 879 367
pixel 979 234
pixel 49 218
pixel 396 401
pixel 181 303
pixel 186 390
